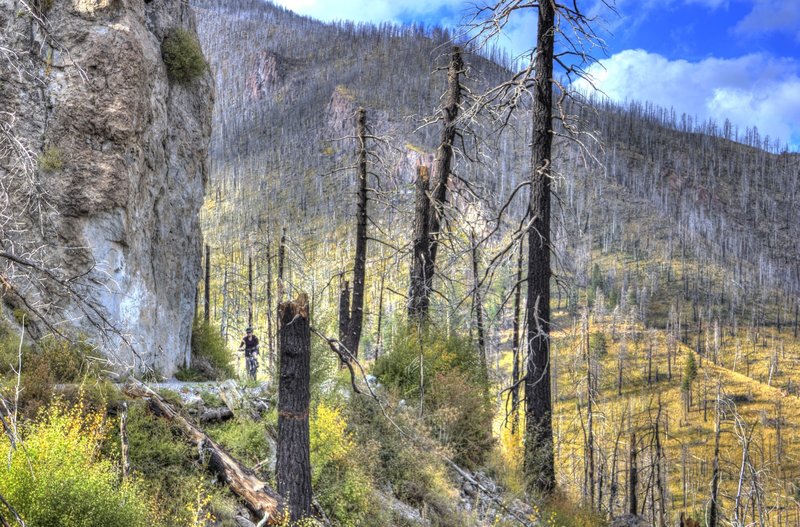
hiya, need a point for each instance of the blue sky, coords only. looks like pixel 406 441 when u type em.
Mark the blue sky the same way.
pixel 735 59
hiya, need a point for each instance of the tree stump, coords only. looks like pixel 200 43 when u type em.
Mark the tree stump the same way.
pixel 293 464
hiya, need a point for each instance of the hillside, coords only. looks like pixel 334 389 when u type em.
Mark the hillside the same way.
pixel 398 322
pixel 681 225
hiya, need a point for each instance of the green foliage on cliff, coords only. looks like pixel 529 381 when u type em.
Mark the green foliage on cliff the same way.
pixel 211 358
pixel 51 160
pixel 183 56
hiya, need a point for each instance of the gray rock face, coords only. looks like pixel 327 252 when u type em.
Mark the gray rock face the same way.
pixel 120 160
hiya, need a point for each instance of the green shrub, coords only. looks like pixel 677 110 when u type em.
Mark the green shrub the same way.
pixel 48 362
pixel 597 343
pixel 560 511
pixel 211 358
pixel 415 472
pixel 340 483
pixel 164 463
pixel 456 406
pixel 183 56
pixel 60 480
pixel 244 438
pixel 51 160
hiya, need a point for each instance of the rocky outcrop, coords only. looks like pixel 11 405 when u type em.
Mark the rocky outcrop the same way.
pixel 119 163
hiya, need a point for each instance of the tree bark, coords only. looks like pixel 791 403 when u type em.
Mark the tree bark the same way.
pixel 422 268
pixel 123 441
pixel 589 414
pixel 281 261
pixel 539 462
pixel 293 464
pixel 270 347
pixel 344 310
pixel 713 516
pixel 378 335
pixel 257 494
pixel 633 474
pixel 444 154
pixel 250 290
pixel 477 307
pixel 356 318
pixel 207 289
pixel 515 343
pixel 430 208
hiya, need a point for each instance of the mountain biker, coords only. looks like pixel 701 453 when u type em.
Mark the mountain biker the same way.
pixel 249 344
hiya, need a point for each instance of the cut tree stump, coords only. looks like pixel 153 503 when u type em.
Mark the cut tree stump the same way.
pixel 293 463
pixel 260 498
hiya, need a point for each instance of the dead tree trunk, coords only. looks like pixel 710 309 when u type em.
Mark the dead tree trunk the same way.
pixel 515 344
pixel 250 290
pixel 539 460
pixel 344 309
pixel 713 517
pixel 444 154
pixel 270 346
pixel 123 441
pixel 421 267
pixel 257 494
pixel 281 261
pixel 633 474
pixel 430 208
pixel 589 414
pixel 207 289
pixel 378 335
pixel 421 279
pixel 293 464
pixel 356 317
pixel 477 307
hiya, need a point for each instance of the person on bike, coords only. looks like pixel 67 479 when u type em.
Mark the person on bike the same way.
pixel 249 344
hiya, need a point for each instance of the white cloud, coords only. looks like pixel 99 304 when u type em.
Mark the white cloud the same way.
pixel 711 4
pixel 753 90
pixel 769 16
pixel 368 10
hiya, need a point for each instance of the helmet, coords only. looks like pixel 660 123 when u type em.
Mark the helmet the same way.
pixel 249 330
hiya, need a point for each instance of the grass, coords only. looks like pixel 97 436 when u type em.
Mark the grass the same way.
pixel 688 438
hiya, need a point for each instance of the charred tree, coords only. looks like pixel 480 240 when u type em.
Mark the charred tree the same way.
pixel 378 335
pixel 293 464
pixel 539 462
pixel 421 279
pixel 356 317
pixel 477 308
pixel 713 515
pixel 430 202
pixel 281 262
pixel 515 343
pixel 270 347
pixel 633 475
pixel 344 309
pixel 250 290
pixel 444 154
pixel 207 288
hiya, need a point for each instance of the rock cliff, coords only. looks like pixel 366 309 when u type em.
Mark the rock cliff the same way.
pixel 103 163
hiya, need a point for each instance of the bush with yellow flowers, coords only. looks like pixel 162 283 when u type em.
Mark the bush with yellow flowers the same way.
pixel 57 476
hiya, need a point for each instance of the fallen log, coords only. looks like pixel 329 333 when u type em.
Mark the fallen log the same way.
pixel 259 497
pixel 215 414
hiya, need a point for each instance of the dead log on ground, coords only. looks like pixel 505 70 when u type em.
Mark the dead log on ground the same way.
pixel 259 497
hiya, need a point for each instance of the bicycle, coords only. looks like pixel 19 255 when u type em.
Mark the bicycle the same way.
pixel 251 364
